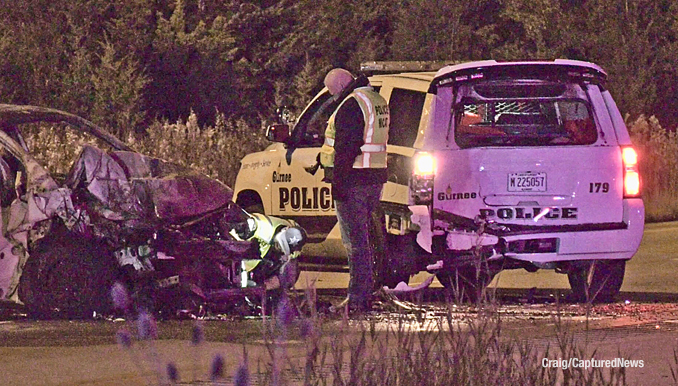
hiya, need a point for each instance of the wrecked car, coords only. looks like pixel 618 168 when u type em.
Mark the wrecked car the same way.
pixel 173 236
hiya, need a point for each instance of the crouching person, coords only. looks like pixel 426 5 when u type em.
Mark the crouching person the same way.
pixel 280 242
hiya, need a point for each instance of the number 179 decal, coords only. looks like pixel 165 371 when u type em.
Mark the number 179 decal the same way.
pixel 599 187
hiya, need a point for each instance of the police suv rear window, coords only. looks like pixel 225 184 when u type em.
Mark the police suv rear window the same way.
pixel 530 114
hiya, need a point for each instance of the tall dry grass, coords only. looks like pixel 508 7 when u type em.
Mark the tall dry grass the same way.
pixel 300 346
pixel 216 151
pixel 658 158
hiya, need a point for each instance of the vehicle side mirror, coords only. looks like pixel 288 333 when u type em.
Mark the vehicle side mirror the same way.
pixel 278 133
pixel 285 115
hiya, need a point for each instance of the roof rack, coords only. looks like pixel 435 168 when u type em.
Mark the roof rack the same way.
pixel 391 67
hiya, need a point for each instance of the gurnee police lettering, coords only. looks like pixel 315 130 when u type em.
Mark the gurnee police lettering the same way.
pixel 442 196
pixel 282 177
pixel 307 199
pixel 529 213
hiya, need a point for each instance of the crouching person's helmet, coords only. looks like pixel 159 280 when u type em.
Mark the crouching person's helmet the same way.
pixel 290 239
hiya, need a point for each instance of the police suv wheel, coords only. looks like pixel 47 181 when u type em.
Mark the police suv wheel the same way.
pixel 391 255
pixel 255 208
pixel 597 280
pixel 399 260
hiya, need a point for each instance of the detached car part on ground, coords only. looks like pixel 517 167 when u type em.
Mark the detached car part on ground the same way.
pixel 172 235
pixel 492 166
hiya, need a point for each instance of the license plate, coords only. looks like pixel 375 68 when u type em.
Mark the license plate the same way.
pixel 527 182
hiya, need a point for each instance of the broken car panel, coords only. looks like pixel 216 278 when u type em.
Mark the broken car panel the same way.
pixel 160 228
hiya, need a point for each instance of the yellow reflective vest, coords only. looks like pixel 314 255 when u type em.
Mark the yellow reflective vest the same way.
pixel 266 228
pixel 375 133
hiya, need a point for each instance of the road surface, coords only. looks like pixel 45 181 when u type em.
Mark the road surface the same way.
pixel 68 352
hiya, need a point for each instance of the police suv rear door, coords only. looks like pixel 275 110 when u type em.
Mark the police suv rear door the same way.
pixel 530 146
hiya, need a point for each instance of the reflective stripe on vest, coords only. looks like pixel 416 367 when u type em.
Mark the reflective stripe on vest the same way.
pixel 375 132
pixel 364 148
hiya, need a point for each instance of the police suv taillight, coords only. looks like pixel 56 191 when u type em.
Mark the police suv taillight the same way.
pixel 631 174
pixel 421 184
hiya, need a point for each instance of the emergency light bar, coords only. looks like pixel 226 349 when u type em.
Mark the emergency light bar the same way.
pixel 392 67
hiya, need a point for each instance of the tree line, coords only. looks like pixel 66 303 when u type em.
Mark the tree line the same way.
pixel 126 64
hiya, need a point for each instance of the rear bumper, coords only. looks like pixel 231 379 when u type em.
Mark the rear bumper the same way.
pixel 562 243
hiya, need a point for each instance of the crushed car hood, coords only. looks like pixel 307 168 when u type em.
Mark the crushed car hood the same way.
pixel 146 190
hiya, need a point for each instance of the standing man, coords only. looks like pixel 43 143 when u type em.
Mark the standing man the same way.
pixel 354 159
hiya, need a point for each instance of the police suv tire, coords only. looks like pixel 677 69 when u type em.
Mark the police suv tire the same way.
pixel 256 208
pixel 466 284
pixel 389 269
pixel 68 276
pixel 596 280
pixel 399 259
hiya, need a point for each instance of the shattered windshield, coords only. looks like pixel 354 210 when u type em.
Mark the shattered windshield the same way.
pixel 522 114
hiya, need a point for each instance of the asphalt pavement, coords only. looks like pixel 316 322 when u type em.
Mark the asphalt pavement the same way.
pixel 635 332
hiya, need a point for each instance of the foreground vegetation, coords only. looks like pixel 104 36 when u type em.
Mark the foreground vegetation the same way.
pixel 301 346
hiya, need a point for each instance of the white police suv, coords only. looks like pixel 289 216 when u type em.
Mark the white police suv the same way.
pixel 492 166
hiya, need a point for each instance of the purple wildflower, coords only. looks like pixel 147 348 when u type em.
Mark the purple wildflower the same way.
pixel 198 335
pixel 242 375
pixel 120 296
pixel 172 372
pixel 217 370
pixel 146 326
pixel 124 338
pixel 286 312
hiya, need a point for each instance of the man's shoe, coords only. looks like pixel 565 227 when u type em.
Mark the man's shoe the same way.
pixel 362 308
pixel 354 307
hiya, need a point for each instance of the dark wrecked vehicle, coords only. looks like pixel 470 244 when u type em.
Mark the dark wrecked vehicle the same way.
pixel 173 236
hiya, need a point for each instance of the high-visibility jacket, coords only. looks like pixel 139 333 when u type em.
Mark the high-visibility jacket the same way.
pixel 266 228
pixel 375 133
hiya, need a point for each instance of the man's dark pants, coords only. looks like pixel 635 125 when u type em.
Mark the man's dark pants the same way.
pixel 355 216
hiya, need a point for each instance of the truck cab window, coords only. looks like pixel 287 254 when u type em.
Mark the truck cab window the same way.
pixel 309 130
